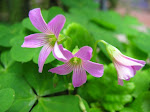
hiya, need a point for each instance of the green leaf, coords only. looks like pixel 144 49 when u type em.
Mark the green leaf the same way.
pixel 66 103
pixel 7 62
pixel 12 77
pixel 79 36
pixel 95 110
pixel 75 15
pixel 27 24
pixel 6 98
pixel 142 41
pixel 127 109
pixel 6 59
pixel 134 52
pixel 43 83
pixel 24 94
pixel 141 80
pixel 7 33
pixel 142 102
pixel 104 24
pixel 80 4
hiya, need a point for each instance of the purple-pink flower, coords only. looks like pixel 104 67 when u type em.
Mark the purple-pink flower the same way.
pixel 126 67
pixel 49 37
pixel 78 63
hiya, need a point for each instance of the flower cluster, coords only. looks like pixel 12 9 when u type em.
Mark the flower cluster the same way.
pixel 78 61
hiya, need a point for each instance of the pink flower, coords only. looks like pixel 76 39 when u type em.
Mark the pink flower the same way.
pixel 49 36
pixel 126 67
pixel 78 63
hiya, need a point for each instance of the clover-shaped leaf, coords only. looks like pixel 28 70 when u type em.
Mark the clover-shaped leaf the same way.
pixel 80 3
pixel 64 103
pixel 79 36
pixel 142 102
pixel 6 98
pixel 141 81
pixel 142 41
pixel 8 32
pixel 33 91
pixel 43 83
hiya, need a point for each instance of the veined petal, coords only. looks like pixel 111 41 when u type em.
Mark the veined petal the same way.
pixel 94 69
pixel 136 67
pixel 68 55
pixel 38 21
pixel 63 69
pixel 79 76
pixel 84 53
pixel 135 60
pixel 58 54
pixel 56 24
pixel 124 72
pixel 43 56
pixel 127 61
pixel 35 40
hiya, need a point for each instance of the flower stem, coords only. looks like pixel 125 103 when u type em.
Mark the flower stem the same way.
pixel 95 47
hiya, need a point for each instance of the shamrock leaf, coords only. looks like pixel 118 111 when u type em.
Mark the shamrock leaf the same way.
pixel 142 41
pixel 80 3
pixel 60 103
pixel 141 81
pixel 11 77
pixel 43 83
pixel 7 33
pixel 7 97
pixel 79 36
pixel 142 102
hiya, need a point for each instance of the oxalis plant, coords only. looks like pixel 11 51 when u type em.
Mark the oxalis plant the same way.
pixel 77 60
pixel 73 47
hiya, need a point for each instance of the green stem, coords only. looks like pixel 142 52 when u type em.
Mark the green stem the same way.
pixel 95 47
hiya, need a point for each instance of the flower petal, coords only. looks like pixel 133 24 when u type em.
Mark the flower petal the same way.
pixel 79 76
pixel 56 24
pixel 65 52
pixel 58 54
pixel 127 61
pixel 63 69
pixel 136 67
pixel 94 69
pixel 38 21
pixel 84 53
pixel 43 56
pixel 35 40
pixel 124 72
pixel 120 82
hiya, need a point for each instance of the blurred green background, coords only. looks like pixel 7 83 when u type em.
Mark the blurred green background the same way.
pixel 23 89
